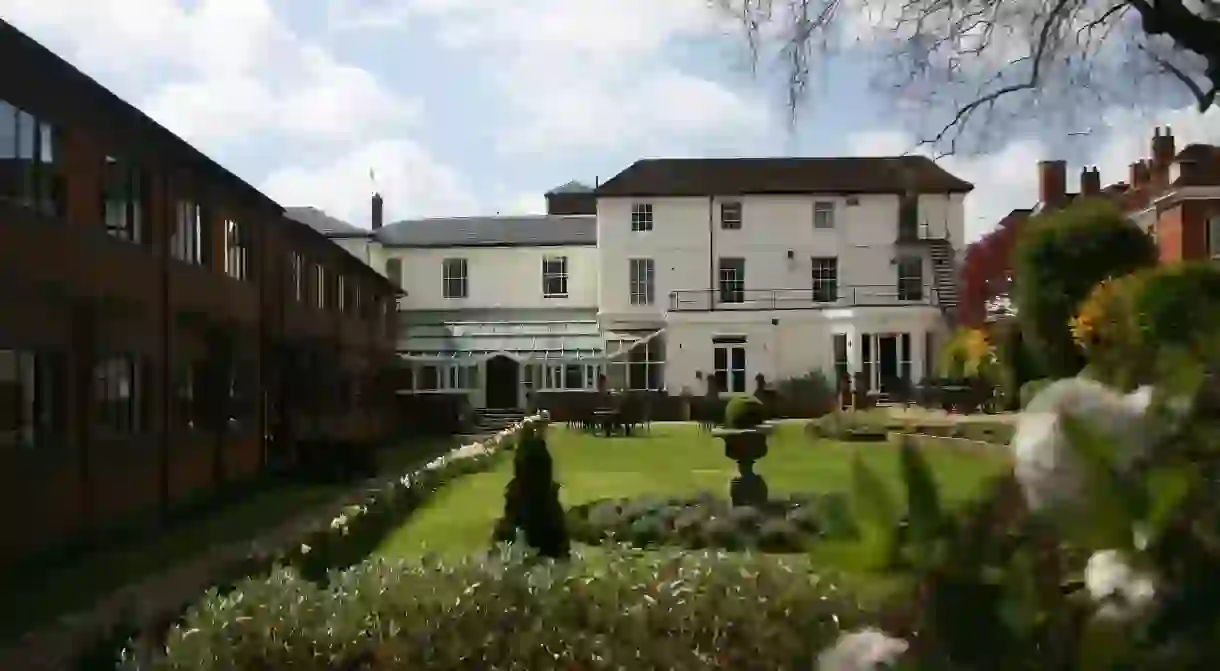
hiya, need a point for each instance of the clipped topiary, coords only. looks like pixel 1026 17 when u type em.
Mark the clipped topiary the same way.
pixel 531 501
pixel 744 412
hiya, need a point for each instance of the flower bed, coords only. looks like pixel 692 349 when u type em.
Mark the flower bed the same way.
pixel 789 524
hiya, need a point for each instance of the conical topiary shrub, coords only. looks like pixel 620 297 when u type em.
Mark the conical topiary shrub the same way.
pixel 531 500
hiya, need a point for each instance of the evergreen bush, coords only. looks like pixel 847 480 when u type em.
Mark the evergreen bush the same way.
pixel 531 500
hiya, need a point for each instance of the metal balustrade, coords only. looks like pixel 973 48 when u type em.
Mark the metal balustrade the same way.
pixel 707 300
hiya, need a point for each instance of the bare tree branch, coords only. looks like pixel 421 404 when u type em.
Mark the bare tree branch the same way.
pixel 975 69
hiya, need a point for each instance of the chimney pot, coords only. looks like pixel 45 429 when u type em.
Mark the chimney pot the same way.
pixel 378 211
pixel 1090 181
pixel 1162 155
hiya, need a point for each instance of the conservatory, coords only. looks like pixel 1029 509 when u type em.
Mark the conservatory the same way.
pixel 496 362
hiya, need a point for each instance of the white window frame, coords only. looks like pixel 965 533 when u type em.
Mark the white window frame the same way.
pixel 1213 237
pixel 648 357
pixel 728 284
pixel 186 243
pixel 319 274
pixel 455 278
pixel 821 281
pixel 823 214
pixel 642 281
pixel 641 217
pixel 731 215
pixel 558 275
pixel 341 293
pixel 237 251
pixel 298 277
pixel 728 374
pixel 393 272
pixel 905 281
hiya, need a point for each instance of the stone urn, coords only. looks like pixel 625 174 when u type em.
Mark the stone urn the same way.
pixel 746 446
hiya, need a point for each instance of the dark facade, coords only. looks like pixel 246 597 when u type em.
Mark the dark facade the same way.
pixel 165 332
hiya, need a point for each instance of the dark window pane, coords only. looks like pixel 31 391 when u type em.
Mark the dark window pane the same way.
pixel 739 358
pixel 721 358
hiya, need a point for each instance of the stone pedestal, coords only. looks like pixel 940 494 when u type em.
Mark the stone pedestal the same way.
pixel 745 446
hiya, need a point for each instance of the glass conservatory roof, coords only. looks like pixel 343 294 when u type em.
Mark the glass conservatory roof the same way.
pixel 526 339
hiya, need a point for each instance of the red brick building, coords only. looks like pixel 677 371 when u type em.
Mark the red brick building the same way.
pixel 165 332
pixel 1173 194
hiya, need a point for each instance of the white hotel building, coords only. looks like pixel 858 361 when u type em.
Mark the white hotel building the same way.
pixel 675 269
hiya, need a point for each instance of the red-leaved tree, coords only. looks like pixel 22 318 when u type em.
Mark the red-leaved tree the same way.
pixel 986 270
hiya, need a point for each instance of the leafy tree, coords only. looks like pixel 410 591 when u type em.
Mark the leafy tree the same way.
pixel 531 500
pixel 982 66
pixel 986 271
pixel 1059 259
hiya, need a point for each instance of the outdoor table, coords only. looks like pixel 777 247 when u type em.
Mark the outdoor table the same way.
pixel 607 419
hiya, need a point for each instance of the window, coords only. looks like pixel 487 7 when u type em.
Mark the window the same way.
pixel 904 356
pixel 823 214
pixel 839 347
pixel 29 397
pixel 28 150
pixel 910 278
pixel 908 217
pixel 319 286
pixel 730 364
pixel 243 393
pixel 393 271
pixel 186 386
pixel 555 277
pixel 237 250
pixel 642 283
pixel 297 264
pixel 341 293
pixel 730 216
pixel 187 241
pixel 732 280
pixel 116 394
pixel 429 378
pixel 454 280
pixel 825 279
pixel 641 217
pixel 1213 237
pixel 124 200
pixel 646 365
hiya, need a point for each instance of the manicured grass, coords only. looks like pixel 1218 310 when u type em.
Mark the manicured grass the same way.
pixel 674 459
pixel 39 596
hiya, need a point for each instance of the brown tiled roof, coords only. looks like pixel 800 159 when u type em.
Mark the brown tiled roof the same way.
pixel 731 176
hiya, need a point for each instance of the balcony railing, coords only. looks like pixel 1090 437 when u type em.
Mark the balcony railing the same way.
pixel 706 300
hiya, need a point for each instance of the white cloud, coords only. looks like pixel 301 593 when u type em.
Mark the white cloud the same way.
pixel 241 70
pixel 592 74
pixel 1008 179
pixel 413 183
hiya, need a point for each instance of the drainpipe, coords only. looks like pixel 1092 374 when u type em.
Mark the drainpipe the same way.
pixel 711 253
pixel 167 352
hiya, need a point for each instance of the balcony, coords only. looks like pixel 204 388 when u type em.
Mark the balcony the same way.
pixel 707 300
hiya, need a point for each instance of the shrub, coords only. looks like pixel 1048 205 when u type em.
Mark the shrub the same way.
pixel 783 524
pixel 851 425
pixel 1127 326
pixel 665 609
pixel 1016 364
pixel 531 500
pixel 967 354
pixel 744 412
pixel 1030 389
pixel 1060 256
pixel 810 395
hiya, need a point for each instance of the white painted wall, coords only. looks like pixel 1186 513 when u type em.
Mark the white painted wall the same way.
pixel 798 342
pixel 498 277
pixel 687 239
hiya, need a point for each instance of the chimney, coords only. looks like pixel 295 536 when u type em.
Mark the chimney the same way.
pixel 378 211
pixel 1139 175
pixel 1052 183
pixel 1162 154
pixel 1090 181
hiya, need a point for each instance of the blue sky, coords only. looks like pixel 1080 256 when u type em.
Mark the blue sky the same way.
pixel 477 106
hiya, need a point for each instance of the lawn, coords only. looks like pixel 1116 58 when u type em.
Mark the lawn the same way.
pixel 673 459
pixel 34 598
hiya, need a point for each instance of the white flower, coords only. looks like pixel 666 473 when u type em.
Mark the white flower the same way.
pixel 863 650
pixel 339 521
pixel 1046 465
pixel 305 549
pixel 1121 591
